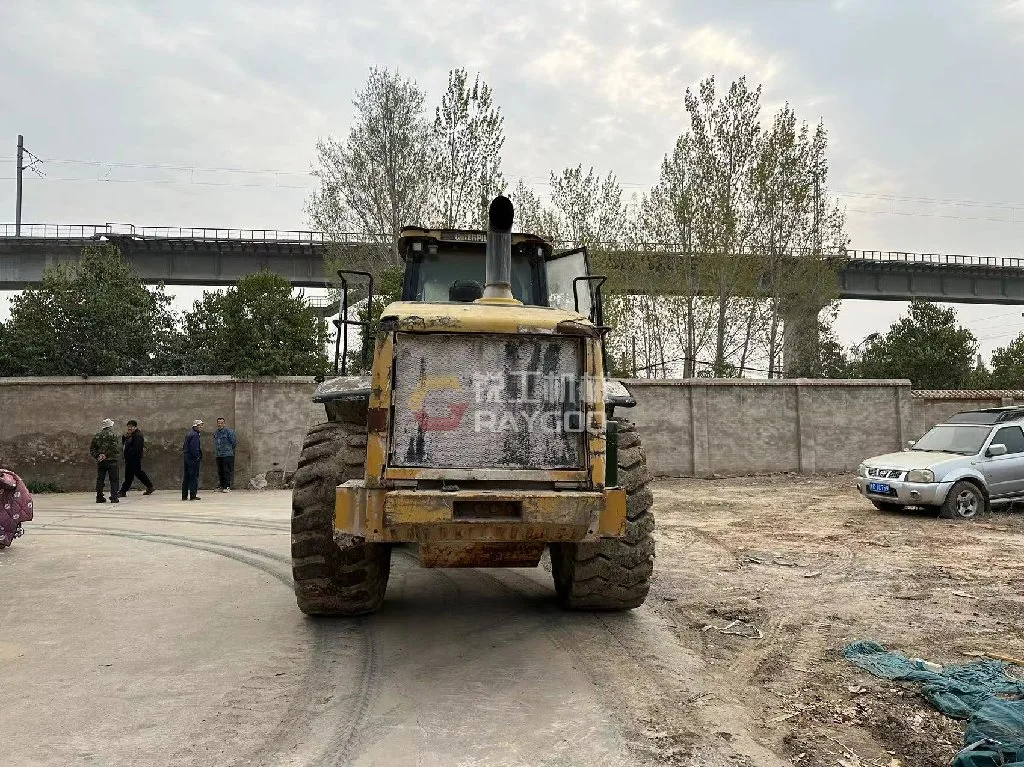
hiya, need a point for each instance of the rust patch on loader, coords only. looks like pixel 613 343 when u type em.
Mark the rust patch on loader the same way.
pixel 473 554
pixel 377 418
pixel 577 328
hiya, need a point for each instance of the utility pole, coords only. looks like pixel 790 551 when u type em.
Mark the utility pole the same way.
pixel 22 167
pixel 17 203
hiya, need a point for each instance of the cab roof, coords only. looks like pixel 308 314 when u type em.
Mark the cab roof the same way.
pixel 988 416
pixel 464 237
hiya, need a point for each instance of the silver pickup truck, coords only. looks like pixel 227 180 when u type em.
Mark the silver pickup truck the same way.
pixel 973 460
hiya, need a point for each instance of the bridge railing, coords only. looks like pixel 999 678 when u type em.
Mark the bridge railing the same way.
pixel 218 233
pixel 932 258
pixel 97 231
pixel 203 233
pixel 56 231
pixel 321 302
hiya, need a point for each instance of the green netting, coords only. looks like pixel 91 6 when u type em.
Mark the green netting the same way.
pixel 981 692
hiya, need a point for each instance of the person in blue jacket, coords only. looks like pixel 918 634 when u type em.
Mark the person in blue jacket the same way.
pixel 192 451
pixel 224 442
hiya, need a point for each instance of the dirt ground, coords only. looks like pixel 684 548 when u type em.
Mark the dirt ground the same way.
pixel 169 634
pixel 769 578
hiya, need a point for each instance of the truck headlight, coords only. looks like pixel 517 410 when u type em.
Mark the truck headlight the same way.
pixel 924 476
pixel 862 470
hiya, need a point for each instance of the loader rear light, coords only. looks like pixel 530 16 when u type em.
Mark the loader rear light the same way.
pixel 487 510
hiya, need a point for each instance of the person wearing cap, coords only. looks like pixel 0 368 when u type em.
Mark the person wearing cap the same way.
pixel 192 451
pixel 104 449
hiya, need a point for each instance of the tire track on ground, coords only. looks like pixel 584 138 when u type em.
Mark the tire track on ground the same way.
pixel 253 523
pixel 229 550
pixel 316 683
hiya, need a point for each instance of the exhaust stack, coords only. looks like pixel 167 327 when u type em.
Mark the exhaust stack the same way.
pixel 498 279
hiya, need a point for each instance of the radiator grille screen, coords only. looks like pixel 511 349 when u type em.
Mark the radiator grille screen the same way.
pixel 487 401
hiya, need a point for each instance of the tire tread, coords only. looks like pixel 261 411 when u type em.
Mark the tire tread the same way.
pixel 333 574
pixel 614 573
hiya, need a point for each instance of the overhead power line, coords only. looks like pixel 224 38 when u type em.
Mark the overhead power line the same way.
pixel 171 166
pixel 170 182
pixel 533 180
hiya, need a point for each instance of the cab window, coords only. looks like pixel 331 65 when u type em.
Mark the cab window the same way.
pixel 439 272
pixel 1012 437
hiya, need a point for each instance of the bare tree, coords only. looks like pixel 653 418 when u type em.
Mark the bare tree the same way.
pixel 467 138
pixel 377 179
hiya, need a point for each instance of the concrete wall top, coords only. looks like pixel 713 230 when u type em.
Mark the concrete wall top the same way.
pixel 822 382
pixel 968 394
pixel 107 380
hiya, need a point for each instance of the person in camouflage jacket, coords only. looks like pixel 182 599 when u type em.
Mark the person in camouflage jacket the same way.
pixel 104 449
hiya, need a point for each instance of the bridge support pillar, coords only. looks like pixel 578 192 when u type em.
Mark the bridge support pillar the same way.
pixel 801 339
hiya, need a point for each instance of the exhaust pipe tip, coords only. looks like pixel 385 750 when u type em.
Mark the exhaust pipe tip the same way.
pixel 500 214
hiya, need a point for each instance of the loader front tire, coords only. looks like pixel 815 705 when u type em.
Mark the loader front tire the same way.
pixel 333 574
pixel 614 573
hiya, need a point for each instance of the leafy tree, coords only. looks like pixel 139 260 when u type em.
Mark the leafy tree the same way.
pixel 927 346
pixel 589 208
pixel 834 360
pixel 377 180
pixel 467 138
pixel 93 317
pixel 735 199
pixel 726 137
pixel 257 328
pixel 981 377
pixel 532 215
pixel 1008 365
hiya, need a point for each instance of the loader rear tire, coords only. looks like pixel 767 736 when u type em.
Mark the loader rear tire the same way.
pixel 615 573
pixel 333 574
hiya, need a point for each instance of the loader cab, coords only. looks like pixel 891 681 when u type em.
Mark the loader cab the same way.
pixel 443 266
pixel 449 267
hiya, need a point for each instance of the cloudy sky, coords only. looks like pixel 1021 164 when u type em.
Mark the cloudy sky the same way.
pixel 139 108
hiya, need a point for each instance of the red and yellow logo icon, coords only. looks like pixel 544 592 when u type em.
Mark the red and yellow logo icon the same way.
pixel 418 400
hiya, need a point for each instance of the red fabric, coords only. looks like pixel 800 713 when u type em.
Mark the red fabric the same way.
pixel 15 506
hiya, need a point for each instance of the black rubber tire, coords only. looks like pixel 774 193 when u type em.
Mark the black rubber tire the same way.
pixel 614 573
pixel 950 508
pixel 884 506
pixel 333 574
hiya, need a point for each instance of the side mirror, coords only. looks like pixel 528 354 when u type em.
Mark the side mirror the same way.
pixel 911 443
pixel 996 450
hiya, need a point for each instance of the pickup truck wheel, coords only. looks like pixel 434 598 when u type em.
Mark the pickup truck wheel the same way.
pixel 333 574
pixel 964 501
pixel 886 506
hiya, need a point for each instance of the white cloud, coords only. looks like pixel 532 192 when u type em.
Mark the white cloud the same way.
pixel 713 47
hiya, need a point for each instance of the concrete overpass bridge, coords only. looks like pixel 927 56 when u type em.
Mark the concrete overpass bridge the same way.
pixel 220 257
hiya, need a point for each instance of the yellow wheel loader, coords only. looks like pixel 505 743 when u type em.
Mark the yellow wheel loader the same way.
pixel 484 433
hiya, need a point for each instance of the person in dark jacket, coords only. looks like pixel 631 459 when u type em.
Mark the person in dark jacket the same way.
pixel 134 443
pixel 104 450
pixel 192 451
pixel 224 442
